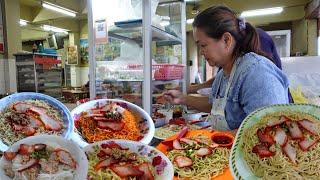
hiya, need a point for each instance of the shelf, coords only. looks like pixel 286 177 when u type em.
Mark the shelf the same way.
pixel 54 83
pixel 28 63
pixel 30 53
pixel 134 80
pixel 52 70
pixel 163 35
pixel 48 87
pixel 50 77
pixel 125 80
pixel 167 43
pixel 44 54
pixel 50 84
pixel 27 85
pixel 27 90
pixel 156 82
pixel 132 31
pixel 27 72
pixel 23 73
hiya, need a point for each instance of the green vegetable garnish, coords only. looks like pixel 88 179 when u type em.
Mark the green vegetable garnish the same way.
pixel 189 152
pixel 41 154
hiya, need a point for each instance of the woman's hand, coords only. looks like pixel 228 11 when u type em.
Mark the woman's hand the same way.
pixel 175 97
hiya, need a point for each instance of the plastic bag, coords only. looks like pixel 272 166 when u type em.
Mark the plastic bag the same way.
pixel 308 83
pixel 137 7
pixel 132 52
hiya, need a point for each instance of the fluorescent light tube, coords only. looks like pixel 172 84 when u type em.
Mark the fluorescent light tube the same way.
pixel 190 21
pixel 23 22
pixel 59 9
pixel 54 29
pixel 261 12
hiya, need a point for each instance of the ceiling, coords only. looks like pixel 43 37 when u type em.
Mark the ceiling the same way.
pixel 32 11
pixel 31 3
pixel 293 9
pixel 75 5
pixel 241 5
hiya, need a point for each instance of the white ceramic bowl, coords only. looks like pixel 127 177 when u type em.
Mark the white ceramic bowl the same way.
pixel 164 169
pixel 55 141
pixel 75 114
pixel 67 120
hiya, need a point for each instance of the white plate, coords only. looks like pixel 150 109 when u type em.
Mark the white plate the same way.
pixel 164 170
pixel 56 141
pixel 75 114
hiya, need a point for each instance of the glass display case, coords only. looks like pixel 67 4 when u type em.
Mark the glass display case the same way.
pixel 39 72
pixel 137 49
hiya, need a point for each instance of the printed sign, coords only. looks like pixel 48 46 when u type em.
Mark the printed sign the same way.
pixel 101 31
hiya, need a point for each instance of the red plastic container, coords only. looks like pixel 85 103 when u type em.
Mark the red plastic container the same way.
pixel 162 71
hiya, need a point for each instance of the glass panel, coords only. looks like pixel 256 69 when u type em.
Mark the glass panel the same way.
pixel 166 52
pixel 119 70
pixel 170 18
pixel 119 62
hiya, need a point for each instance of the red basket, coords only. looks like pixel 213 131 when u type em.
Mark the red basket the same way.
pixel 46 60
pixel 162 71
pixel 167 71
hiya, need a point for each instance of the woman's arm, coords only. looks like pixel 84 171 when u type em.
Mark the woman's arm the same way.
pixel 195 88
pixel 198 103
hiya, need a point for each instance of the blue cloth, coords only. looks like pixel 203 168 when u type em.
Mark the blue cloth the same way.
pixel 267 45
pixel 257 83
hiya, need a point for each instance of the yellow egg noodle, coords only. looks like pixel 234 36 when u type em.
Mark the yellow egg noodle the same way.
pixel 203 168
pixel 279 166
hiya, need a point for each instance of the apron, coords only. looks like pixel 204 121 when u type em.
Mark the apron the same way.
pixel 217 115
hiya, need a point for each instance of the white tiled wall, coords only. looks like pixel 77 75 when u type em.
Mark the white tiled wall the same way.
pixel 8 79
pixel 2 80
pixel 79 76
pixel 12 75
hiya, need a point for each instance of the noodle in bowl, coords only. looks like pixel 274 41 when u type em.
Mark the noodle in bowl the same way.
pixel 100 154
pixel 26 114
pixel 278 142
pixel 56 143
pixel 203 168
pixel 137 125
pixel 197 154
pixel 279 166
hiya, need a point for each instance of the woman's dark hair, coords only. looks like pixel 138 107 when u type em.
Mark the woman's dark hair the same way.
pixel 217 20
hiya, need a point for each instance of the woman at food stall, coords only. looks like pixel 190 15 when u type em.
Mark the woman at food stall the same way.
pixel 248 79
pixel 267 46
